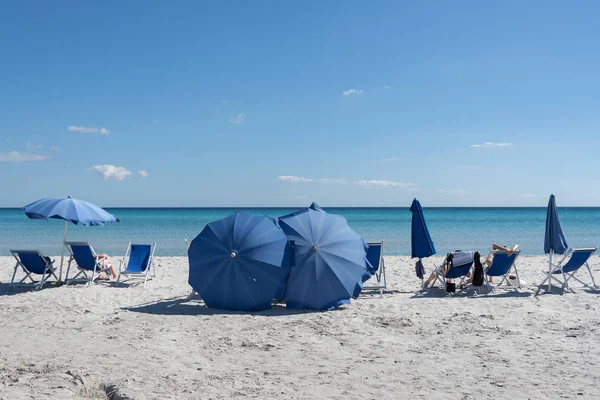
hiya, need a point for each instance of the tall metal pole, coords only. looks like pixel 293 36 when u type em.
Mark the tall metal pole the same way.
pixel 62 252
pixel 549 271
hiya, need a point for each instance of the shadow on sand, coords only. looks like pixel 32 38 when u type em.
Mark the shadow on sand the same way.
pixel 7 290
pixel 195 306
pixel 472 293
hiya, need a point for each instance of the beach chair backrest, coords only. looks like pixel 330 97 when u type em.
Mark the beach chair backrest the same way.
pixel 578 258
pixel 139 258
pixel 32 260
pixel 83 254
pixel 501 263
pixel 374 254
pixel 461 265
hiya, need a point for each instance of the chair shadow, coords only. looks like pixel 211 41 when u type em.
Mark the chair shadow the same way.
pixel 7 290
pixel 472 293
pixel 196 306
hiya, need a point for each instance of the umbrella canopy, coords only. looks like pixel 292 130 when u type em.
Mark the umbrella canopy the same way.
pixel 240 262
pixel 71 210
pixel 421 244
pixel 330 260
pixel 554 240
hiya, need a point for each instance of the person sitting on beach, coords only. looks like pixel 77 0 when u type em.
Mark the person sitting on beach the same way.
pixel 490 257
pixel 105 263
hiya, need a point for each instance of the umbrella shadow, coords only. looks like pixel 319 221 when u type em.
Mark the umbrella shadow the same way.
pixel 194 306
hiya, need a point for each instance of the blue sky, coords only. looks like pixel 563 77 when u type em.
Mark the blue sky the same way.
pixel 273 103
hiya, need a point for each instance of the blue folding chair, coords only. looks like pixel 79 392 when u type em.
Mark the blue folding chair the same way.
pixel 501 266
pixel 86 259
pixel 137 263
pixel 456 265
pixel 577 258
pixel 32 262
pixel 376 267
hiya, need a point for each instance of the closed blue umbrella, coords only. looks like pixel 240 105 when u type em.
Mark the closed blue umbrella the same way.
pixel 240 262
pixel 330 260
pixel 421 244
pixel 78 212
pixel 554 238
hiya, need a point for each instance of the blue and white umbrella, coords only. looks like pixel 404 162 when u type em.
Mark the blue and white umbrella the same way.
pixel 77 212
pixel 240 262
pixel 330 260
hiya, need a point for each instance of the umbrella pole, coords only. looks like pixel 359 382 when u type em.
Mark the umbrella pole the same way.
pixel 550 271
pixel 62 252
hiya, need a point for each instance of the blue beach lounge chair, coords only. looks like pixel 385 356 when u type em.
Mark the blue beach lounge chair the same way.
pixel 32 262
pixel 377 267
pixel 563 272
pixel 501 266
pixel 456 265
pixel 87 262
pixel 137 262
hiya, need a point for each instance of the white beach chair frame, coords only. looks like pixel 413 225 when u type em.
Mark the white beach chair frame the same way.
pixel 48 272
pixel 380 273
pixel 441 278
pixel 149 273
pixel 87 277
pixel 567 276
pixel 505 277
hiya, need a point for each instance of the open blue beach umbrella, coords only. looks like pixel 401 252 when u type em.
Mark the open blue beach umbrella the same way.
pixel 77 212
pixel 421 244
pixel 330 260
pixel 239 263
pixel 554 238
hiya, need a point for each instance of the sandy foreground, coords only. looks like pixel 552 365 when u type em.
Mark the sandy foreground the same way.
pixel 150 343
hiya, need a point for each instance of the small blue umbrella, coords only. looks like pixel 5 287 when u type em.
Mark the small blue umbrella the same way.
pixel 421 244
pixel 78 212
pixel 330 260
pixel 554 238
pixel 239 263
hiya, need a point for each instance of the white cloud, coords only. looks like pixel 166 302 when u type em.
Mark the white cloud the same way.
pixel 238 119
pixel 54 148
pixel 328 181
pixel 143 173
pixel 155 122
pixel 17 156
pixel 387 87
pixel 382 183
pixel 488 145
pixel 529 195
pixel 34 146
pixel 352 91
pixel 293 179
pixel 83 129
pixel 452 191
pixel 111 172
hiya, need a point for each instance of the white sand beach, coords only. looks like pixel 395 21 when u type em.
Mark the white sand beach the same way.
pixel 150 343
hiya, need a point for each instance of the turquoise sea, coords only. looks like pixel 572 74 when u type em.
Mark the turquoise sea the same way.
pixel 450 228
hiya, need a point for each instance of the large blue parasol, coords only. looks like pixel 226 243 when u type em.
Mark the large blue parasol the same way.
pixel 330 260
pixel 240 262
